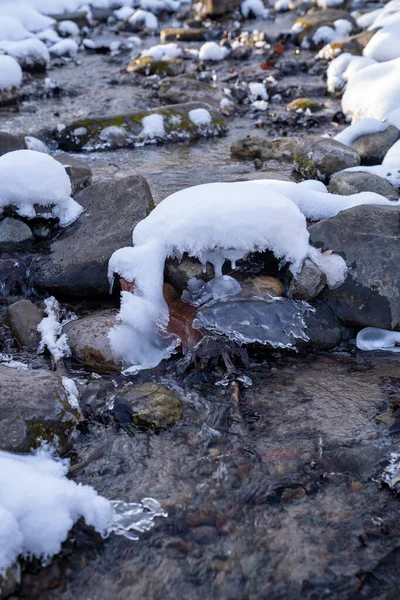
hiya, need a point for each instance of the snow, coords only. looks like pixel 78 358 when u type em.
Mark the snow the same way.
pixel 50 329
pixel 159 5
pixel 325 34
pixel 367 19
pixel 33 143
pixel 213 51
pixel 373 338
pixel 282 5
pixel 123 13
pixel 385 44
pixel 39 506
pixel 325 4
pixel 69 386
pixel 28 178
pixel 49 36
pixel 363 127
pixel 257 90
pixel 10 73
pixel 343 68
pixel 153 127
pixel 28 16
pixel 66 47
pixel 28 52
pixel 200 117
pixel 144 18
pixel 389 169
pixel 12 30
pixel 254 8
pixel 68 28
pixel 163 52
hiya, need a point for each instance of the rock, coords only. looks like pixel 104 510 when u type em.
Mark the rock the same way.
pixel 9 142
pixel 151 66
pixel 24 317
pixel 149 405
pixel 368 238
pixel 319 158
pixel 88 134
pixel 89 342
pixel 34 407
pixel 10 97
pixel 253 147
pixel 188 89
pixel 304 104
pixel 322 327
pixel 78 261
pixel 354 44
pixel 13 231
pixel 349 182
pixel 177 273
pixel 308 24
pixel 80 18
pixel 79 173
pixel 182 34
pixel 308 284
pixel 218 8
pixel 373 146
pixel 11 581
pixel 262 286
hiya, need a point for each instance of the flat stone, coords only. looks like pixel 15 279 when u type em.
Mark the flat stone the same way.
pixel 79 172
pixel 319 158
pixel 34 407
pixel 24 317
pixel 89 342
pixel 78 262
pixel 13 231
pixel 349 182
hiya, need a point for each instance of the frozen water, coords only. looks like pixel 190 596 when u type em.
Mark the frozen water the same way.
pixel 277 322
pixel 373 338
pixel 219 288
pixel 133 516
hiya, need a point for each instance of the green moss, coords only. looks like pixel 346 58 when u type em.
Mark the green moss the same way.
pixel 305 166
pixel 304 104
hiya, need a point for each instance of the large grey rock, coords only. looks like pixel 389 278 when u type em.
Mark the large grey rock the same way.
pixel 24 317
pixel 309 283
pixel 373 146
pixel 319 158
pixel 78 262
pixel 34 407
pixel 368 238
pixel 349 182
pixel 89 342
pixel 188 89
pixel 79 173
pixel 13 231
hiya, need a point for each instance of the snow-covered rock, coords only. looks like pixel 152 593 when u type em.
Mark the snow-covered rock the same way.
pixel 10 73
pixel 143 19
pixel 66 47
pixel 32 54
pixel 163 52
pixel 213 52
pixel 12 30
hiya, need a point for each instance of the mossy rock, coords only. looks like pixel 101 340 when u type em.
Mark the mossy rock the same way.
pixel 304 104
pixel 149 406
pixel 319 158
pixel 150 66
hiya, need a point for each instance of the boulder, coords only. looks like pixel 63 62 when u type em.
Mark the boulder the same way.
pixel 319 158
pixel 368 238
pixel 89 342
pixel 24 317
pixel 79 173
pixel 373 147
pixel 149 405
pixel 188 89
pixel 78 261
pixel 34 407
pixel 349 182
pixel 13 231
pixel 252 147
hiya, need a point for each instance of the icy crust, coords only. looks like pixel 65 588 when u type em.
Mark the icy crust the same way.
pixel 29 179
pixel 373 338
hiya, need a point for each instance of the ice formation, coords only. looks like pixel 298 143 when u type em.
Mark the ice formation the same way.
pixel 10 73
pixel 373 338
pixel 39 506
pixel 29 178
pixel 50 330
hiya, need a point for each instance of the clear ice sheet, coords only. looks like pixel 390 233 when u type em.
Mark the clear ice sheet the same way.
pixel 373 338
pixel 198 292
pixel 277 322
pixel 131 517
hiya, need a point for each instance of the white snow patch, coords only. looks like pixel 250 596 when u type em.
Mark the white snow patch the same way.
pixel 10 73
pixel 200 117
pixel 50 329
pixel 27 15
pixel 163 52
pixel 213 52
pixel 28 52
pixel 341 29
pixel 153 127
pixel 254 8
pixel 12 30
pixel 71 390
pixel 257 91
pixel 145 19
pixel 68 28
pixel 363 127
pixel 66 47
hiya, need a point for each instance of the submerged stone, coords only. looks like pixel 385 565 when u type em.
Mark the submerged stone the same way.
pixel 149 405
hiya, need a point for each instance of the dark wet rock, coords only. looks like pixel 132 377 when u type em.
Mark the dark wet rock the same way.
pixel 373 146
pixel 177 273
pixel 349 182
pixel 149 405
pixel 80 18
pixel 24 317
pixel 9 142
pixel 319 158
pixel 89 342
pixel 78 261
pixel 309 283
pixel 304 104
pixel 151 66
pixel 10 97
pixel 90 134
pixel 10 583
pixel 79 173
pixel 182 34
pixel 322 327
pixel 13 231
pixel 314 19
pixel 188 89
pixel 34 407
pixel 368 239
pixel 218 8
pixel 42 228
pixel 14 276
pixel 253 147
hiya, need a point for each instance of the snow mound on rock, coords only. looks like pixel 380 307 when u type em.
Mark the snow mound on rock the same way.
pixel 10 73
